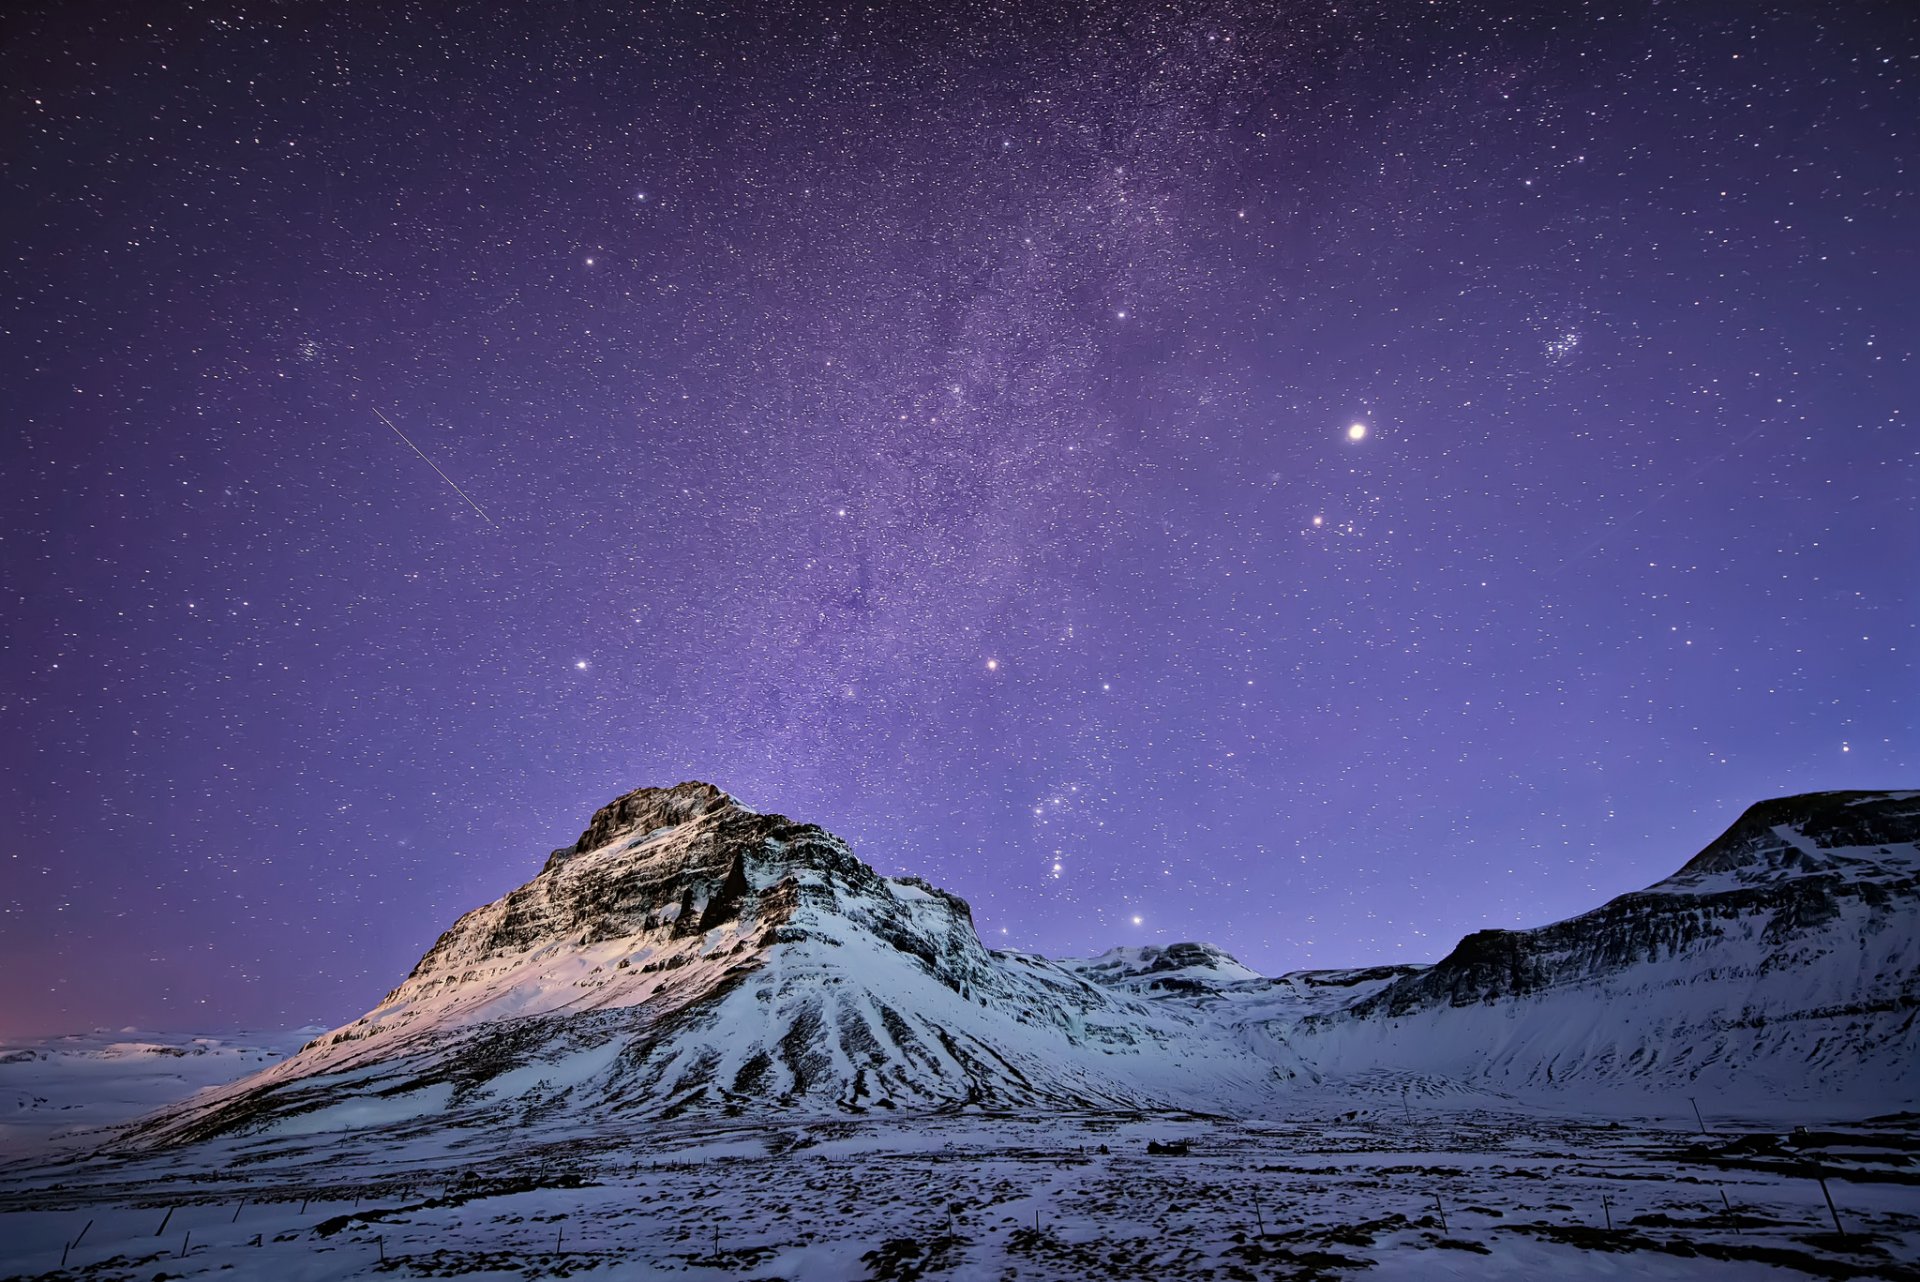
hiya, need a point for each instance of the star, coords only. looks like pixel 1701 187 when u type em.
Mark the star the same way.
pixel 659 446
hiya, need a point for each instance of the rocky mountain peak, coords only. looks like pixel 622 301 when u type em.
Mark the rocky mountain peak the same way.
pixel 1808 833
pixel 649 809
pixel 680 861
pixel 1188 966
pixel 666 881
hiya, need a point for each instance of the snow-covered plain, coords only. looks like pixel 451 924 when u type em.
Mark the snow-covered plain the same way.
pixel 1385 1188
pixel 58 1090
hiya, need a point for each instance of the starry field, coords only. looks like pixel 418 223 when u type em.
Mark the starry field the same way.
pixel 1317 478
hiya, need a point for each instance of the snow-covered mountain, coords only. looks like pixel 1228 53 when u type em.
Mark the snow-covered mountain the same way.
pixel 1784 960
pixel 690 954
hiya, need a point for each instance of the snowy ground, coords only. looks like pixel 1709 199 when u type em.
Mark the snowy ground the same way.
pixel 1380 1189
pixel 55 1086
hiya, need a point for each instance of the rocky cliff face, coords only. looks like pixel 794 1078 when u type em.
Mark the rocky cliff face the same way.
pixel 662 866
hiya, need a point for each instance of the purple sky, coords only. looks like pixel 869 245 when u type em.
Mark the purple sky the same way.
pixel 935 427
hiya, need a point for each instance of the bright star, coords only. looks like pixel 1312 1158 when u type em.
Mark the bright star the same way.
pixel 1358 432
pixel 993 665
pixel 581 664
pixel 1136 921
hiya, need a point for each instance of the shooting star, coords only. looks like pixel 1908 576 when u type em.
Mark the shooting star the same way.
pixel 436 467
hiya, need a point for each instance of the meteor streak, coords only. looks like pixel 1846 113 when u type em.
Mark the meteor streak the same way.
pixel 436 467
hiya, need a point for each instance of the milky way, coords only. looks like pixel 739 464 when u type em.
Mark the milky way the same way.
pixel 1319 478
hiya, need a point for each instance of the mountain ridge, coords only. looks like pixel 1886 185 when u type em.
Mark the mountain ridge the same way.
pixel 688 953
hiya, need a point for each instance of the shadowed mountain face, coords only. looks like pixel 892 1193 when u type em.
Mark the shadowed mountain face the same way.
pixel 1785 870
pixel 688 953
pixel 1785 954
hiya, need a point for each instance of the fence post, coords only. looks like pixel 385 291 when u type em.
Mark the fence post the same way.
pixel 1830 1208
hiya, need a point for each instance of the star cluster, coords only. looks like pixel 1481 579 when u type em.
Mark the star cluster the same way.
pixel 1319 478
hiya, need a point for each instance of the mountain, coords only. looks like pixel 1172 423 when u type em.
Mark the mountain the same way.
pixel 688 953
pixel 1782 960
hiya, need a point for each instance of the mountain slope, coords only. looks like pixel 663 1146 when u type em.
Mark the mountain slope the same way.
pixel 690 953
pixel 1784 958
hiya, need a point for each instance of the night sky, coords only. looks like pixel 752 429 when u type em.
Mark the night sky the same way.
pixel 939 425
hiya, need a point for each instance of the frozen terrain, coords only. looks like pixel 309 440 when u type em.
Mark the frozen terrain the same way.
pixel 1375 1191
pixel 708 1042
pixel 64 1090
